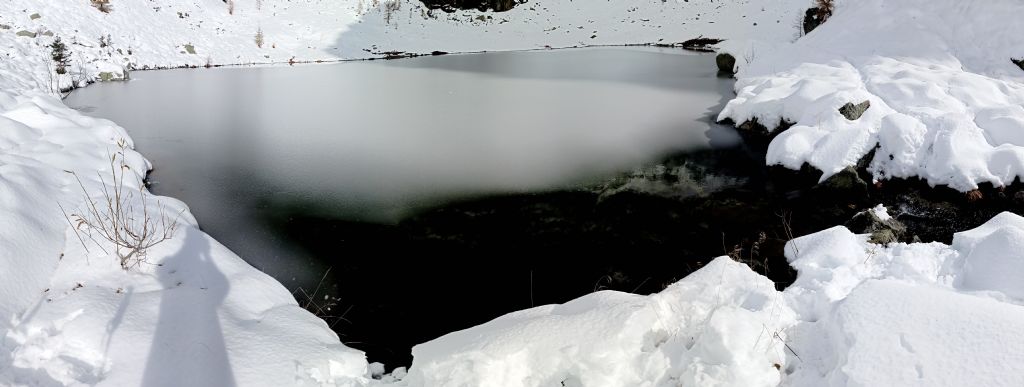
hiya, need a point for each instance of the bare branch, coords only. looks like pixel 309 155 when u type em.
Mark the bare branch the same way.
pixel 116 221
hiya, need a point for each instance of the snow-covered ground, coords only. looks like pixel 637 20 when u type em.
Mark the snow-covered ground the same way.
pixel 945 105
pixel 859 314
pixel 168 33
pixel 194 315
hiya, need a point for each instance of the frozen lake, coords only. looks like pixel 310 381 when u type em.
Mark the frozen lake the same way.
pixel 257 152
pixel 375 140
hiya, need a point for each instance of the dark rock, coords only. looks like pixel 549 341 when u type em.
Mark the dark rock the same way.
pixel 757 134
pixel 815 17
pixel 4 27
pixel 481 5
pixel 700 44
pixel 1018 62
pixel 437 53
pixel 882 232
pixel 726 63
pixel 1018 198
pixel 847 180
pixel 853 112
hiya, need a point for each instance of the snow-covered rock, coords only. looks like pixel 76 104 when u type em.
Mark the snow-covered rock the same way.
pixel 945 98
pixel 992 256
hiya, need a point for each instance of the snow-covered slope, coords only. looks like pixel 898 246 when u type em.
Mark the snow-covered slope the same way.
pixel 859 314
pixel 946 100
pixel 163 33
pixel 195 314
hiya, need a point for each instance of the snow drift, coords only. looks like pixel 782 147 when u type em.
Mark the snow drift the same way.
pixel 859 314
pixel 946 100
pixel 195 314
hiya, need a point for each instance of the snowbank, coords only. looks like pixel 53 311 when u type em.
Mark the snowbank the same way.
pixel 946 101
pixel 859 314
pixel 717 326
pixel 195 315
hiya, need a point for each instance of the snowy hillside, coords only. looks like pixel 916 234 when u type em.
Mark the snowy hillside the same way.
pixel 167 33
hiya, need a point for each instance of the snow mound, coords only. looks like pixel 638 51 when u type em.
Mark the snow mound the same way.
pixel 894 333
pixel 717 327
pixel 945 98
pixel 859 314
pixel 195 314
pixel 993 256
pixel 908 314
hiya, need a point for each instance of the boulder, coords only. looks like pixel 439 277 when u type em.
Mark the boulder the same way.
pixel 726 63
pixel 26 33
pixel 34 16
pixel 883 230
pixel 853 112
pixel 815 17
pixel 847 181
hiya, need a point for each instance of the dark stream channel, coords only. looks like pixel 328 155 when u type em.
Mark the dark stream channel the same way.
pixel 423 196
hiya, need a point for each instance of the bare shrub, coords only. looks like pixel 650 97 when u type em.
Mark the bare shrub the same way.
pixel 826 5
pixel 390 7
pixel 113 217
pixel 321 306
pixel 786 217
pixel 259 37
pixel 102 5
pixel 231 7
